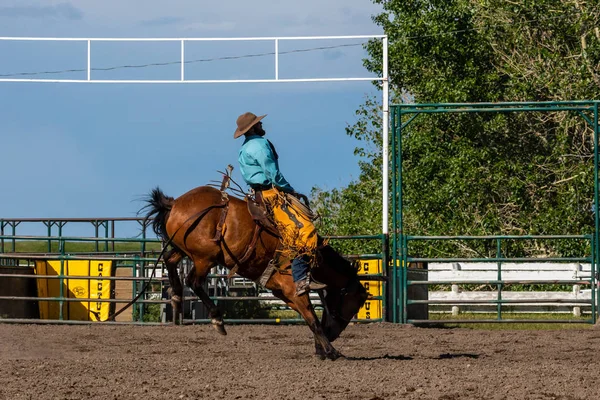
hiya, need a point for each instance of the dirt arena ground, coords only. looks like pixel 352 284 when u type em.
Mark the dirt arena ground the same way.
pixel 384 361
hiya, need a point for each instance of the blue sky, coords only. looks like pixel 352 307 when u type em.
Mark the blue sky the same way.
pixel 92 150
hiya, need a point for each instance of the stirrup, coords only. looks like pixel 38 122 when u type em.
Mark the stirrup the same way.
pixel 304 285
pixel 313 284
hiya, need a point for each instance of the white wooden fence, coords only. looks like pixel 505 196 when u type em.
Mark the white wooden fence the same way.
pixel 457 298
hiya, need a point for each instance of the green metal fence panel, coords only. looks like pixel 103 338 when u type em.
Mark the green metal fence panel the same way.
pixel 402 117
pixel 141 262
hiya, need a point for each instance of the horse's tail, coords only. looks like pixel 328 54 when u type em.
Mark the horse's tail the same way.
pixel 159 206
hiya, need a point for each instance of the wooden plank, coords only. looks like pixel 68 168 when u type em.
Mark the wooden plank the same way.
pixel 492 266
pixel 506 275
pixel 124 290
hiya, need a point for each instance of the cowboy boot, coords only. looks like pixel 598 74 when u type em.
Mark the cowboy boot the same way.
pixel 305 284
pixel 314 285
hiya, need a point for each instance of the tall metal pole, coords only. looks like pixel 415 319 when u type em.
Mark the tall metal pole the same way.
pixel 596 200
pixel 393 271
pixel 385 144
pixel 399 251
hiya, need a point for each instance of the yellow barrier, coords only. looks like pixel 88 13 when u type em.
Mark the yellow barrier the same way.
pixel 75 288
pixel 372 309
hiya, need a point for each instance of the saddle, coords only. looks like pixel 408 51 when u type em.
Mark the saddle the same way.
pixel 258 210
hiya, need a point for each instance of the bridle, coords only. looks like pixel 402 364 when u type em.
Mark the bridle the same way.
pixel 350 288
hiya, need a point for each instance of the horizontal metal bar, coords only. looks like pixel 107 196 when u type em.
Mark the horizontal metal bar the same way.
pixel 248 321
pixel 495 321
pixel 94 257
pixel 531 301
pixel 498 110
pixel 191 39
pixel 150 301
pixel 517 237
pixel 75 322
pixel 77 277
pixel 498 104
pixel 135 240
pixel 197 81
pixel 265 298
pixel 259 298
pixel 369 277
pixel 266 321
pixel 103 219
pixel 79 239
pixel 82 300
pixel 377 256
pixel 379 237
pixel 130 253
pixel 497 282
pixel 502 259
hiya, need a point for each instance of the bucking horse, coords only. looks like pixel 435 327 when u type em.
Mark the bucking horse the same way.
pixel 213 228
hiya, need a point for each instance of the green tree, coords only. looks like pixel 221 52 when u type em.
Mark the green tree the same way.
pixel 485 173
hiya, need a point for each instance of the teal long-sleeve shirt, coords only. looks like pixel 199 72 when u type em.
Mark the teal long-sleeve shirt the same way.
pixel 259 165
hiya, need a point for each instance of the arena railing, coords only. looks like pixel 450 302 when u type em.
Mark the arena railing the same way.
pixel 140 258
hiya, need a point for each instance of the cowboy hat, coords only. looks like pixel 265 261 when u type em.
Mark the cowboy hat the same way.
pixel 245 122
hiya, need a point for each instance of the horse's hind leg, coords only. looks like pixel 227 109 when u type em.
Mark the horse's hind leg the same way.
pixel 172 258
pixel 195 280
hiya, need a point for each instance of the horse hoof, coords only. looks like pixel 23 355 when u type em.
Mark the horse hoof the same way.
pixel 220 327
pixel 335 355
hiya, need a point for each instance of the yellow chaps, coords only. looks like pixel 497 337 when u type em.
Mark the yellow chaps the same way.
pixel 294 221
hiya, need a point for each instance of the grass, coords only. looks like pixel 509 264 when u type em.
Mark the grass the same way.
pixel 289 314
pixel 571 322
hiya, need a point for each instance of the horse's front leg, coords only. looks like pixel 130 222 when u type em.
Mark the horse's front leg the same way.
pixel 323 347
pixel 195 281
pixel 319 350
pixel 301 304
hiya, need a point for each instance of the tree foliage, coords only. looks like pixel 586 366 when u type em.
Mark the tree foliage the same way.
pixel 477 174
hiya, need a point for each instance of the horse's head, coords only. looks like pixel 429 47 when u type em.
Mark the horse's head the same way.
pixel 344 295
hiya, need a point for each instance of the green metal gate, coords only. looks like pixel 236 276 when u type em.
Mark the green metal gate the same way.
pixel 402 116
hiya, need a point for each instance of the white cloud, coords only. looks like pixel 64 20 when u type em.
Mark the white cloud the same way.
pixel 162 21
pixel 239 17
pixel 222 26
pixel 60 10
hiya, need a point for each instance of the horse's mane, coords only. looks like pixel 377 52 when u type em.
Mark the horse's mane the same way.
pixel 329 256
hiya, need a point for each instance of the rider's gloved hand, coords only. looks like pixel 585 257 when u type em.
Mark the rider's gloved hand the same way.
pixel 301 197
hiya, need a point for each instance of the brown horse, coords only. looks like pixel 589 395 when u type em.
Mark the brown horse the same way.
pixel 193 221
